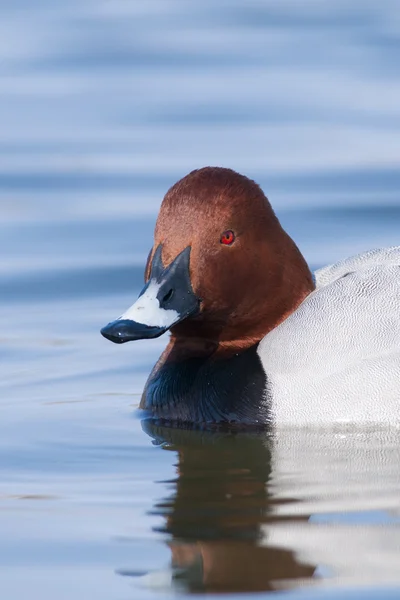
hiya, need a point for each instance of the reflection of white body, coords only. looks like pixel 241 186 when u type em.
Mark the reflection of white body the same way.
pixel 331 503
pixel 343 489
pixel 337 357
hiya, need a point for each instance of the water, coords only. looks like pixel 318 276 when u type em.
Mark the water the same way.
pixel 103 106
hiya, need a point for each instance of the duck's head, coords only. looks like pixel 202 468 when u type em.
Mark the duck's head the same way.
pixel 221 268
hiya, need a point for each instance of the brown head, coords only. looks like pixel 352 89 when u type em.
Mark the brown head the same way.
pixel 240 272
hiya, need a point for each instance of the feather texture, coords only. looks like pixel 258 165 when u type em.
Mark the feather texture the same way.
pixel 337 357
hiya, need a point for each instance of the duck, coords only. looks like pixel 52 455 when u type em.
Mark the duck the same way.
pixel 256 338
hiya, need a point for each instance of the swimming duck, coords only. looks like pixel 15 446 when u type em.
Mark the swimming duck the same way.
pixel 256 338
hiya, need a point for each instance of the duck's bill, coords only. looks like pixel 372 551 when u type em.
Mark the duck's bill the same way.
pixel 126 330
pixel 166 300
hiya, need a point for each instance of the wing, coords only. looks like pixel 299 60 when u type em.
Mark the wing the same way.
pixel 344 339
pixel 373 258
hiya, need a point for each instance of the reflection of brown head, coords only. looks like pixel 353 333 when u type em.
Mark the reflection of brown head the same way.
pixel 246 270
pixel 220 512
pixel 233 566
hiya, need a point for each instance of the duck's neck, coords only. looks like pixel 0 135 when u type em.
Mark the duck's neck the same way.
pixel 206 385
pixel 198 381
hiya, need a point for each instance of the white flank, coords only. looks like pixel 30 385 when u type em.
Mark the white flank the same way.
pixel 147 311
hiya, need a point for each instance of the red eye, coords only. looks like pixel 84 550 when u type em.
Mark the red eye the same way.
pixel 227 238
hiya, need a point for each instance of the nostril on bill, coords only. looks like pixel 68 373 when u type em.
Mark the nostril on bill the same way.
pixel 168 296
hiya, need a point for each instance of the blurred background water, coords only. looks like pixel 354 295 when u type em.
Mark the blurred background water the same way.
pixel 104 104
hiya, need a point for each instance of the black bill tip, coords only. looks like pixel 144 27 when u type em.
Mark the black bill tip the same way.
pixel 125 330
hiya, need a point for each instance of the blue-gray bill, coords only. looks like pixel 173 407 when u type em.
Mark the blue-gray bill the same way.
pixel 125 330
pixel 166 300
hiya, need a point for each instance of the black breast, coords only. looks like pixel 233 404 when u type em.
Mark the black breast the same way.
pixel 209 391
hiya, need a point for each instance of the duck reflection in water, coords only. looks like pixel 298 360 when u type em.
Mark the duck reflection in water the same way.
pixel 215 516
